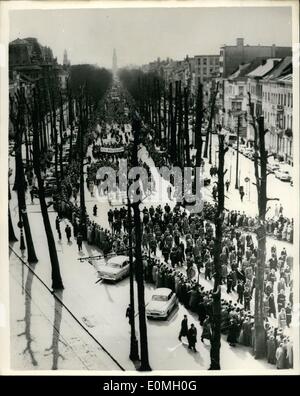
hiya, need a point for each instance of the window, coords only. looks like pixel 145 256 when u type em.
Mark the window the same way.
pixel 241 90
pixel 291 100
pixel 268 97
pixel 204 61
pixel 284 99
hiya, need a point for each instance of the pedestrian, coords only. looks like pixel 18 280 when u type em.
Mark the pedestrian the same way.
pixel 68 232
pixel 288 312
pixel 79 242
pixel 282 322
pixel 31 195
pixel 240 291
pixel 95 210
pixel 242 193
pixel 280 357
pixel 206 332
pixel 233 333
pixel 129 313
pixel 192 337
pixel 57 225
pixel 227 184
pixel 184 328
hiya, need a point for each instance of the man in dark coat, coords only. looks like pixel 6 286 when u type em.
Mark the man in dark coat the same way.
pixel 68 232
pixel 79 242
pixel 192 337
pixel 233 333
pixel 184 328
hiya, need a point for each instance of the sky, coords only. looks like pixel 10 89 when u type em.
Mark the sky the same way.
pixel 143 35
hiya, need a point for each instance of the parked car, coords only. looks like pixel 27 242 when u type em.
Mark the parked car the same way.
pixel 272 167
pixel 161 304
pixel 242 148
pixel 248 152
pixel 283 175
pixel 114 269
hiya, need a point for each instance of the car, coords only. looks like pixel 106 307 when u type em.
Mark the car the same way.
pixel 114 269
pixel 283 175
pixel 242 148
pixel 248 152
pixel 162 302
pixel 272 167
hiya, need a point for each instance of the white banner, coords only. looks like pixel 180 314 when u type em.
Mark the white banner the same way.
pixel 111 150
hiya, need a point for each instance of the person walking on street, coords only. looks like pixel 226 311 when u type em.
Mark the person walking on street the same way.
pixel 206 332
pixel 192 337
pixel 95 210
pixel 57 225
pixel 227 184
pixel 184 328
pixel 129 313
pixel 31 195
pixel 79 242
pixel 242 193
pixel 68 232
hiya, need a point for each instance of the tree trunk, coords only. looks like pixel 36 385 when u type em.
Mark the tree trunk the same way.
pixel 216 322
pixel 208 132
pixel 12 235
pixel 198 125
pixel 260 341
pixel 186 129
pixel 20 180
pixel 55 273
pixel 145 366
pixel 261 187
pixel 82 197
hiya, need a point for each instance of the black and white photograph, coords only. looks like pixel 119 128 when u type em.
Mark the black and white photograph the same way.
pixel 151 156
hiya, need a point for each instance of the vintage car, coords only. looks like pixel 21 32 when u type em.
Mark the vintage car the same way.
pixel 114 269
pixel 283 175
pixel 161 304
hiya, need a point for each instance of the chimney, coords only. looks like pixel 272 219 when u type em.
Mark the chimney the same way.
pixel 240 42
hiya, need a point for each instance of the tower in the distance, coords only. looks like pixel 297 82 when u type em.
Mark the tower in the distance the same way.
pixel 114 63
pixel 66 61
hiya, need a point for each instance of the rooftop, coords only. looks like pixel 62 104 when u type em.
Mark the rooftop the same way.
pixel 264 68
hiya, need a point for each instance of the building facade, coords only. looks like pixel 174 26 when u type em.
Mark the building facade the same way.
pixel 278 115
pixel 231 56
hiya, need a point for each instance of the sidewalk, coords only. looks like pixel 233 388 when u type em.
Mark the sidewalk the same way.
pixel 44 336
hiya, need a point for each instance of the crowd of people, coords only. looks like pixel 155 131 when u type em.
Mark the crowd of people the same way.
pixel 178 253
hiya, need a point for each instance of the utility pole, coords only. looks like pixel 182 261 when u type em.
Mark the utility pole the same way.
pixel 145 366
pixel 219 216
pixel 237 153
